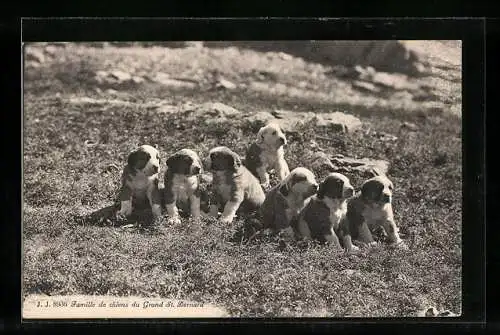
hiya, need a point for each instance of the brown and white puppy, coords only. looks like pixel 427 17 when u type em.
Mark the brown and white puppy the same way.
pixel 267 153
pixel 182 184
pixel 140 182
pixel 284 201
pixel 372 208
pixel 233 185
pixel 324 217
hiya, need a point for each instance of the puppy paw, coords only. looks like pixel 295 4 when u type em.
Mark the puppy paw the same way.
pixel 353 249
pixel 121 217
pixel 174 220
pixel 400 245
pixel 226 219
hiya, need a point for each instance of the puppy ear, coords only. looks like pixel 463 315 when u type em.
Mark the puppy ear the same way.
pixel 137 157
pixel 284 189
pixel 172 161
pixel 321 191
pixel 236 162
pixel 370 190
pixel 132 158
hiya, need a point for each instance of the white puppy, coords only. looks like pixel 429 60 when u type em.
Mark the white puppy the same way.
pixel 267 153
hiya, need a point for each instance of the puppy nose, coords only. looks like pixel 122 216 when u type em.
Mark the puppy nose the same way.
pixel 282 140
pixel 155 168
pixel 386 198
pixel 196 169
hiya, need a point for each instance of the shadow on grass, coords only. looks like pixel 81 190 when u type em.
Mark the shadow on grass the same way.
pixel 106 217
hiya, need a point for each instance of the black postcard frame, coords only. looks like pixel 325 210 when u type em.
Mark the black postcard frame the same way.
pixel 470 30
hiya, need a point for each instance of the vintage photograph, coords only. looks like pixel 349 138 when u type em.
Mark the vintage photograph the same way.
pixel 242 179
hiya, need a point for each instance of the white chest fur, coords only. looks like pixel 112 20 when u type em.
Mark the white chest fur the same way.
pixel 295 205
pixel 223 187
pixel 269 158
pixel 374 213
pixel 184 186
pixel 140 183
pixel 338 210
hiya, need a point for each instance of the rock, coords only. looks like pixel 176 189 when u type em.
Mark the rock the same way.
pixel 111 91
pixel 165 79
pixel 225 84
pixel 322 164
pixel 137 79
pixel 51 50
pixel 393 80
pixel 121 76
pixel 385 136
pixel 116 77
pixel 212 113
pixel 341 121
pixel 402 95
pixel 219 108
pixel 290 120
pixel 365 86
pixel 364 73
pixel 34 55
pixel 167 109
pixel 409 126
pixel 343 72
pixel 284 56
pixel 32 64
pixel 259 119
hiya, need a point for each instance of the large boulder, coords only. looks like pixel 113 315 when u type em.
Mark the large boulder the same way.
pixel 289 120
pixel 218 113
pixel 389 56
pixel 365 168
pixel 211 113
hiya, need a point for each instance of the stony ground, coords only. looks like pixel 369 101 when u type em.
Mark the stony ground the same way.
pixel 87 106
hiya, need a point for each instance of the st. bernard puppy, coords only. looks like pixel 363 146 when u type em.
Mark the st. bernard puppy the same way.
pixel 267 153
pixel 182 184
pixel 139 182
pixel 284 201
pixel 234 186
pixel 324 217
pixel 372 208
